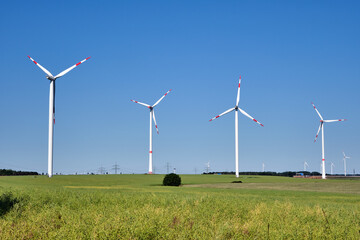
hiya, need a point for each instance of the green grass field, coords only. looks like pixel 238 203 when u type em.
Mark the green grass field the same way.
pixel 205 207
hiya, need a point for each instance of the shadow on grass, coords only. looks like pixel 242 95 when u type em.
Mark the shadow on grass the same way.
pixel 7 201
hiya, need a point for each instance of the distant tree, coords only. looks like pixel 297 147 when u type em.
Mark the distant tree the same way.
pixel 172 179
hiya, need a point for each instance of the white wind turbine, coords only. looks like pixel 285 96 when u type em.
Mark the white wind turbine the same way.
pixel 321 127
pixel 344 159
pixel 152 116
pixel 305 165
pixel 236 109
pixel 52 108
pixel 331 166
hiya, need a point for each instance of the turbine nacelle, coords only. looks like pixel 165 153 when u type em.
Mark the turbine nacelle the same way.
pixel 51 78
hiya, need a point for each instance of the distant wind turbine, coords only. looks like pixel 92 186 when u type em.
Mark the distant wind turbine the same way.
pixel 52 108
pixel 236 109
pixel 305 165
pixel 207 167
pixel 152 116
pixel 321 127
pixel 344 159
pixel 331 166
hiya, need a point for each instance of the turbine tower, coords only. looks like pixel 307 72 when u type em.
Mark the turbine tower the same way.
pixel 344 159
pixel 305 165
pixel 236 109
pixel 321 127
pixel 152 116
pixel 52 108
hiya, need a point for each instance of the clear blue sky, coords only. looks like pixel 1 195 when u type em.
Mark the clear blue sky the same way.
pixel 289 53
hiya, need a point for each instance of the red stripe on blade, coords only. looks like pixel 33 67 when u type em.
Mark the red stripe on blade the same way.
pixel 78 63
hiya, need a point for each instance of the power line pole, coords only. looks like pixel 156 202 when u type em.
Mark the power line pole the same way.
pixel 101 170
pixel 167 167
pixel 116 167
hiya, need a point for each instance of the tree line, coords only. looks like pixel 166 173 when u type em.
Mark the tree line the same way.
pixel 284 174
pixel 9 172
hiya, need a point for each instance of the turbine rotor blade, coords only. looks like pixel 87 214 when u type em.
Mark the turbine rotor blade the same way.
pixel 338 120
pixel 158 101
pixel 238 93
pixel 144 104
pixel 226 112
pixel 317 111
pixel 157 130
pixel 70 68
pixel 246 114
pixel 317 134
pixel 41 67
pixel 54 103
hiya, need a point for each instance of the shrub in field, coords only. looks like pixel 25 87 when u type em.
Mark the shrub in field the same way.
pixel 172 179
pixel 7 201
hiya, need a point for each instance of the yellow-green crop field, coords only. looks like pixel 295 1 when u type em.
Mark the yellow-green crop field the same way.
pixel 205 207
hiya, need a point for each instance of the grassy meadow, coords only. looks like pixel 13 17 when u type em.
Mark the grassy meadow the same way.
pixel 205 207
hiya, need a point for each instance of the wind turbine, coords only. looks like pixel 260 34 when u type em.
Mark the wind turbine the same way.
pixel 305 165
pixel 152 116
pixel 236 109
pixel 207 167
pixel 332 165
pixel 345 157
pixel 321 127
pixel 52 108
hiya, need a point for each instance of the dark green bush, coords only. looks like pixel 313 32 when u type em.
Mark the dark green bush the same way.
pixel 7 201
pixel 172 179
